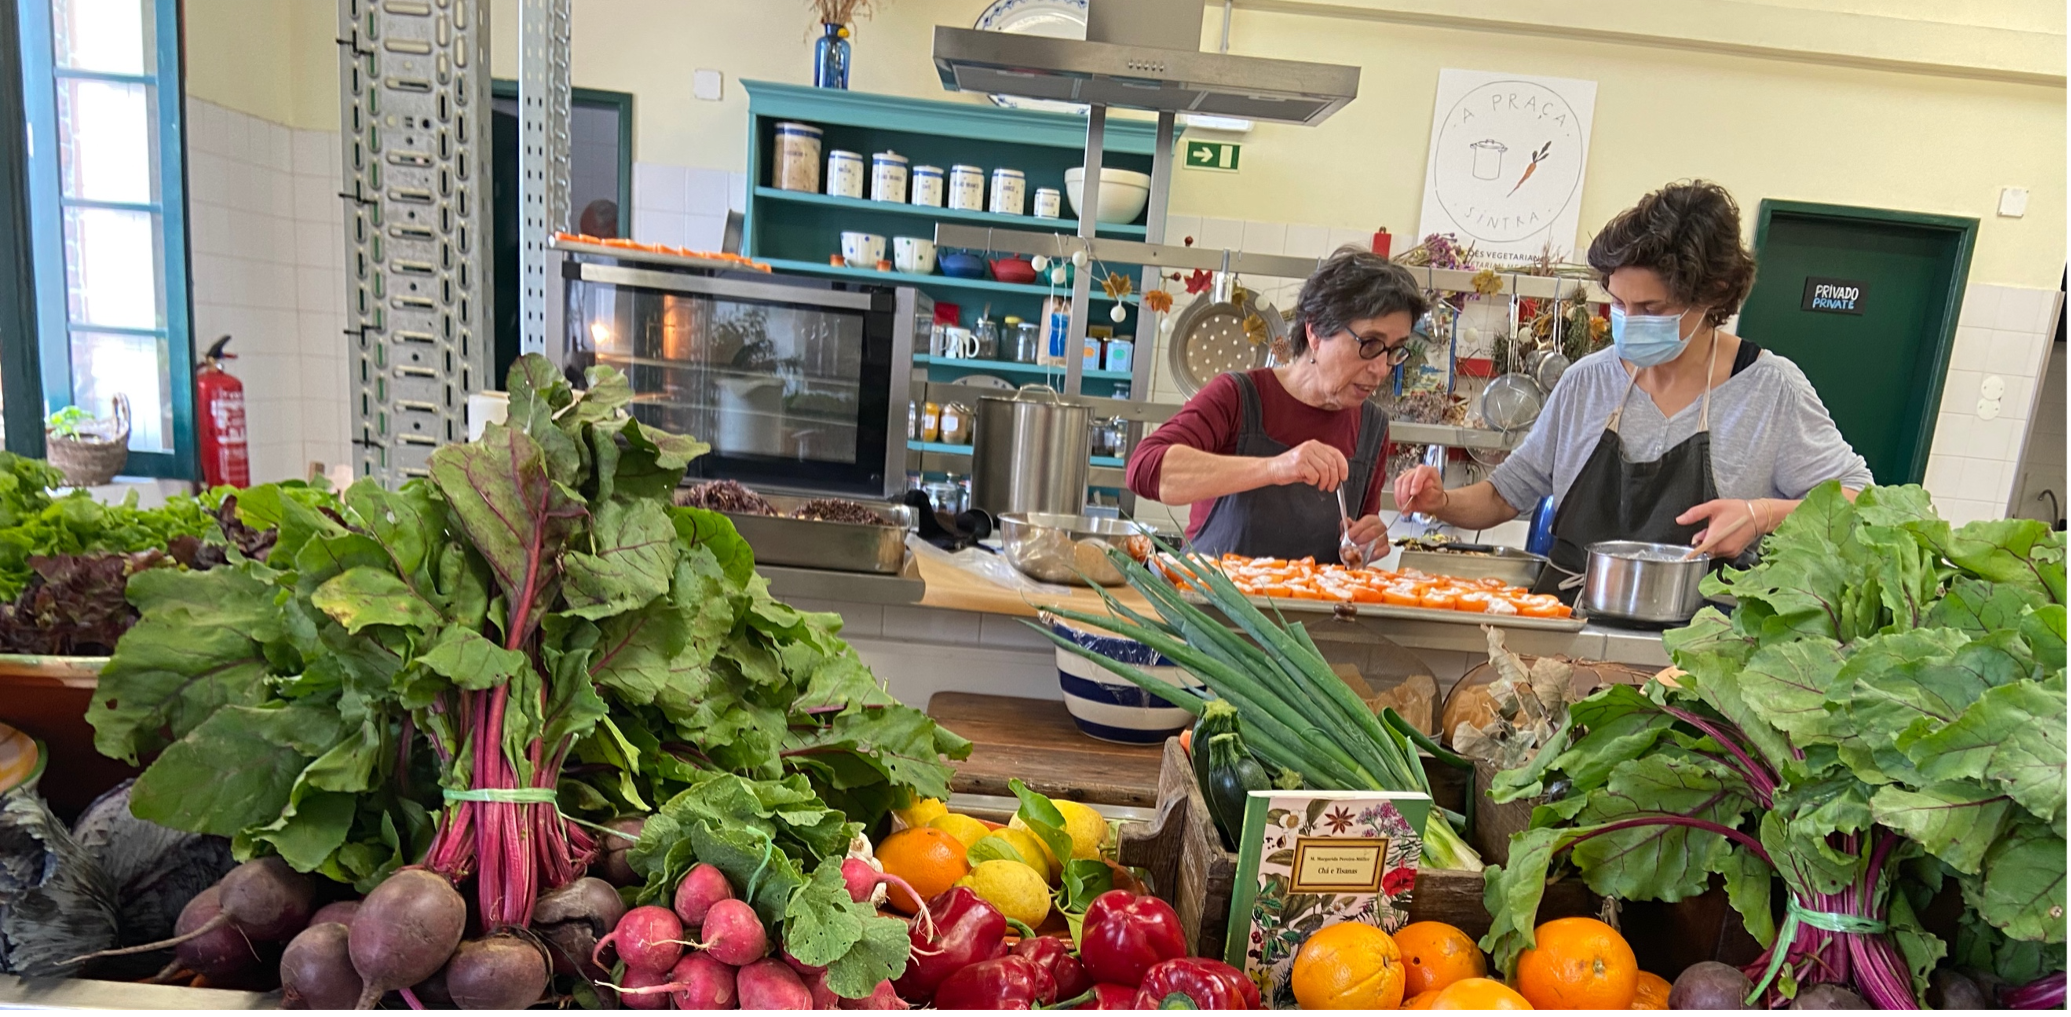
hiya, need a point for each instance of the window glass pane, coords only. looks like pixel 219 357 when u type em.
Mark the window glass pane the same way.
pixel 114 36
pixel 137 366
pixel 105 133
pixel 111 268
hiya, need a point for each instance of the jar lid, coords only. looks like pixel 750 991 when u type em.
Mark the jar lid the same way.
pixel 1012 319
pixel 1005 172
pixel 793 127
pixel 1046 190
pixel 887 156
pixel 927 171
pixel 961 167
pixel 843 153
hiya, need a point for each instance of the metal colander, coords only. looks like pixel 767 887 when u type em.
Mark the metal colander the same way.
pixel 1212 337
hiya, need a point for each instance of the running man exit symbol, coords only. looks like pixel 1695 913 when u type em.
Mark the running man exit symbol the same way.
pixel 1212 155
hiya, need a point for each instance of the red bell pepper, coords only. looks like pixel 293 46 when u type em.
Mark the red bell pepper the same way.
pixel 1108 996
pixel 1055 955
pixel 958 929
pixel 1211 984
pixel 1124 934
pixel 1003 983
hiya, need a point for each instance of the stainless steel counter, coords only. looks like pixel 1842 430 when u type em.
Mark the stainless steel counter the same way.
pixel 786 583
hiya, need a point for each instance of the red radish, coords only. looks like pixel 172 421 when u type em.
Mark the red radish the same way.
pixel 815 979
pixel 703 886
pixel 264 899
pixel 404 931
pixel 733 934
pixel 611 865
pixel 637 979
pixel 768 985
pixel 316 972
pixel 705 983
pixel 500 972
pixel 867 885
pixel 884 997
pixel 648 938
pixel 340 911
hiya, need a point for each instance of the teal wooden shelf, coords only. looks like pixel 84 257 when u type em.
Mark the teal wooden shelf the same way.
pixel 1018 222
pixel 1011 367
pixel 964 450
pixel 926 281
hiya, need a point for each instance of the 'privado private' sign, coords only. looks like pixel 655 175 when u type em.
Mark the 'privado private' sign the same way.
pixel 1834 296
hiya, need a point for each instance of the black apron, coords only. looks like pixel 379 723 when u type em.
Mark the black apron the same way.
pixel 1613 498
pixel 1288 520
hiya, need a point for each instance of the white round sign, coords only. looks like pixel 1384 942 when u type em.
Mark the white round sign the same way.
pixel 1508 160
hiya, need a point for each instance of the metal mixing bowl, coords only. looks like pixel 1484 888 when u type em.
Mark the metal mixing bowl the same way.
pixel 1058 548
pixel 1642 582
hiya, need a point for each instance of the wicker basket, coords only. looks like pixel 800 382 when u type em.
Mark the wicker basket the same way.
pixel 88 461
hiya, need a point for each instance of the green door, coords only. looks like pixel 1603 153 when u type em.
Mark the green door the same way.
pixel 1864 300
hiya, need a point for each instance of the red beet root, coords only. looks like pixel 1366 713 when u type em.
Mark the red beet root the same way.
pixel 404 931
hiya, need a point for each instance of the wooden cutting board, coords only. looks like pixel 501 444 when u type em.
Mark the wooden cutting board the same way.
pixel 1034 739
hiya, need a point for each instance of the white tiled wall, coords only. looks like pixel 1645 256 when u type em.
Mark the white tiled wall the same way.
pixel 684 206
pixel 268 240
pixel 2003 332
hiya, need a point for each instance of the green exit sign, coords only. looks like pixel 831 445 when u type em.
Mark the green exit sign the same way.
pixel 1213 155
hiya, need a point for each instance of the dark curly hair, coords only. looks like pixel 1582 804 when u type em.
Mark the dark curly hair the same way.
pixel 1354 284
pixel 1689 233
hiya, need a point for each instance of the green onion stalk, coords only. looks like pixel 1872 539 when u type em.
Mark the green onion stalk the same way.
pixel 1301 716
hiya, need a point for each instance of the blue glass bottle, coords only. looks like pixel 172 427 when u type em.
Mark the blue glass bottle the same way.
pixel 831 58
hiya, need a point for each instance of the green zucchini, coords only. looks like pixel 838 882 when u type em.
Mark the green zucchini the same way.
pixel 1232 776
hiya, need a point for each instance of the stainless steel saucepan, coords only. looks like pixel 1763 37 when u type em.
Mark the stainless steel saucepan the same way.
pixel 1635 581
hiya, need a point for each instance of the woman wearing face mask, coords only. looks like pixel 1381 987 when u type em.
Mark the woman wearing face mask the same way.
pixel 1680 433
pixel 1264 455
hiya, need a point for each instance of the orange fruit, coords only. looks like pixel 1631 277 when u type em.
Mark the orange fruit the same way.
pixel 1421 1001
pixel 1348 966
pixel 929 859
pixel 1479 994
pixel 1578 964
pixel 1435 955
pixel 1652 993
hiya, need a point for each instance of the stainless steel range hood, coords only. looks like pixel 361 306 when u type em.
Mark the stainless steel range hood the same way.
pixel 1114 67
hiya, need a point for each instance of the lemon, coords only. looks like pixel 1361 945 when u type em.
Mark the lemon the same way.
pixel 1030 848
pixel 1088 829
pixel 922 812
pixel 960 826
pixel 1042 847
pixel 1019 891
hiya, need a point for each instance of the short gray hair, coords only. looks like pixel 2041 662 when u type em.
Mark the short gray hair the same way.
pixel 1354 284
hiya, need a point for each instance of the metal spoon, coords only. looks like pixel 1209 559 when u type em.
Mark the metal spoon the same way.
pixel 1349 551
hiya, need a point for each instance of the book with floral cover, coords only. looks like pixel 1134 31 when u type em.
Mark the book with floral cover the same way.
pixel 1309 859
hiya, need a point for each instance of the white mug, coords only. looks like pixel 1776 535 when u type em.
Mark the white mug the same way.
pixel 862 250
pixel 958 344
pixel 913 254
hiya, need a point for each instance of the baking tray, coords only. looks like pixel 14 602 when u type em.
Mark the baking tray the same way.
pixel 816 544
pixel 654 257
pixel 1518 568
pixel 1297 605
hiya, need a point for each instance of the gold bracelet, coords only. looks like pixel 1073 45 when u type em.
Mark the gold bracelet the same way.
pixel 1755 517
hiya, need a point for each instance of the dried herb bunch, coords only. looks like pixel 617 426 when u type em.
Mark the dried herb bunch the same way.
pixel 844 12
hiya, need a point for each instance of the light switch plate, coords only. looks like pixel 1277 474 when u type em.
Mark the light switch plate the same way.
pixel 2013 201
pixel 706 85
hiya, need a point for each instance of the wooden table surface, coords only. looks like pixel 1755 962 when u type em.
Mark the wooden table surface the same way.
pixel 963 590
pixel 1034 739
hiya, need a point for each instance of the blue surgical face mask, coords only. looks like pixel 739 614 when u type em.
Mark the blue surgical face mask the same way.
pixel 1648 339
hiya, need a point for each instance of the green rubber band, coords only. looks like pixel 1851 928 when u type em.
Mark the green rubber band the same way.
pixel 519 795
pixel 1793 914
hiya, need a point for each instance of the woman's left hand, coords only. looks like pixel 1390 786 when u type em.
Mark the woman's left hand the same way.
pixel 1367 531
pixel 1730 525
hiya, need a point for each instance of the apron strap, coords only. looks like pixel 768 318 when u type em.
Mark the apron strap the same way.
pixel 1250 414
pixel 1711 363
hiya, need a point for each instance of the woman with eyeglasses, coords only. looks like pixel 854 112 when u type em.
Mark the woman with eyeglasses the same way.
pixel 1264 455
pixel 1679 433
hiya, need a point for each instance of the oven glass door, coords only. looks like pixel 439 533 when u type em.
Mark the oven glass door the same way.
pixel 789 381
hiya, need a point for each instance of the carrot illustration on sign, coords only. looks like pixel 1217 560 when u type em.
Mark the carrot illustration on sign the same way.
pixel 1537 157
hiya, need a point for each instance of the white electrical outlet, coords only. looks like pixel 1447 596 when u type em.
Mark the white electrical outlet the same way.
pixel 2013 202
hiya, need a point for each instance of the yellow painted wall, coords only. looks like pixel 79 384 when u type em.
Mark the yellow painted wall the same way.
pixel 1798 129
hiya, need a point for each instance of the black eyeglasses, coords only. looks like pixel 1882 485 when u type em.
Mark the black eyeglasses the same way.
pixel 1371 347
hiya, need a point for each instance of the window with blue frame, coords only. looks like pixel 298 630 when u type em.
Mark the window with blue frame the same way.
pixel 101 87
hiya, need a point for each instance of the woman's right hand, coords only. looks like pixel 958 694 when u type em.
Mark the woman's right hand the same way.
pixel 1312 462
pixel 1420 489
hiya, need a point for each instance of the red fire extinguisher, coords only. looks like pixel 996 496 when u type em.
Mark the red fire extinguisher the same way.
pixel 224 459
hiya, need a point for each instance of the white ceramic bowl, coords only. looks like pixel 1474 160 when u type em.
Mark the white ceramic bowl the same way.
pixel 862 250
pixel 1109 707
pixel 913 254
pixel 1123 193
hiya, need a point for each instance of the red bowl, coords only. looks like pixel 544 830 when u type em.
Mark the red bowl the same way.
pixel 1013 270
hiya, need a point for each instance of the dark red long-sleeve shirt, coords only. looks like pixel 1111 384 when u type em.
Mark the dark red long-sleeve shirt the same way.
pixel 1210 420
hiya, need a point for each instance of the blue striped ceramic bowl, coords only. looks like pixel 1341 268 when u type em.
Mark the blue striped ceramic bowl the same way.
pixel 1107 706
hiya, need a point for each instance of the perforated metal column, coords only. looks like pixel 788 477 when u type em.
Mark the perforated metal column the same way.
pixel 414 91
pixel 543 40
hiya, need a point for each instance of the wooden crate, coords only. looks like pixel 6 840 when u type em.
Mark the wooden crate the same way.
pixel 1189 868
pixel 1495 824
